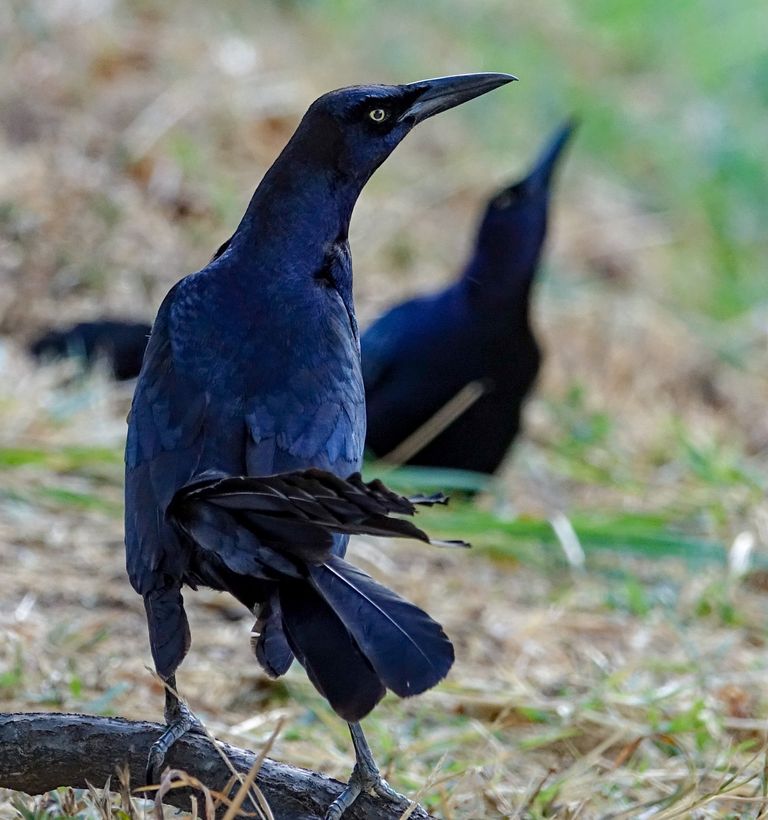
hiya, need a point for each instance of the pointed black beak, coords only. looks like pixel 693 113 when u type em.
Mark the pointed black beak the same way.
pixel 541 175
pixel 433 96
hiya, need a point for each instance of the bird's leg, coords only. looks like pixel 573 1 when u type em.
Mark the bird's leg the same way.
pixel 365 777
pixel 179 720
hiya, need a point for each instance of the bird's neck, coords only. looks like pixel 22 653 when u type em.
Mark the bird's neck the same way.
pixel 300 208
pixel 505 288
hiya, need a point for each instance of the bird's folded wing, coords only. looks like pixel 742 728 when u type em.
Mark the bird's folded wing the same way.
pixel 298 512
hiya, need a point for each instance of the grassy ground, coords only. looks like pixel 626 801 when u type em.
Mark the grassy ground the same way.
pixel 631 685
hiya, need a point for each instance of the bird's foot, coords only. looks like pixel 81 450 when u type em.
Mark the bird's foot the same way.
pixel 363 780
pixel 178 724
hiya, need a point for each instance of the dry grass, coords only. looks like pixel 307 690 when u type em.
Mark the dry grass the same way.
pixel 132 137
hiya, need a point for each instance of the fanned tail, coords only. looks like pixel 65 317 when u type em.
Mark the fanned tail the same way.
pixel 325 648
pixel 409 651
pixel 354 637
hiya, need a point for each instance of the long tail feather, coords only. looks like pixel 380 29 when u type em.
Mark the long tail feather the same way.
pixel 326 650
pixel 409 651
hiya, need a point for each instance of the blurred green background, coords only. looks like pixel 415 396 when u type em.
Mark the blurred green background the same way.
pixel 672 98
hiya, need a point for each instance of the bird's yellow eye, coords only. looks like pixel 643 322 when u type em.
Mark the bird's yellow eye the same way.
pixel 378 114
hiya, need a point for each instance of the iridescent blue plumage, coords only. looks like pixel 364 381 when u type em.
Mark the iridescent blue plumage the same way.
pixel 253 369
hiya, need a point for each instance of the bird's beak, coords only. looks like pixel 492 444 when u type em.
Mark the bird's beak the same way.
pixel 541 175
pixel 433 96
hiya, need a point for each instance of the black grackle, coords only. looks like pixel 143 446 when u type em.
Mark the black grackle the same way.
pixel 462 361
pixel 118 342
pixel 252 370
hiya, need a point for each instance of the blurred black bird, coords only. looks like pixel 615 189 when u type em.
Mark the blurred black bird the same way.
pixel 463 360
pixel 253 370
pixel 119 343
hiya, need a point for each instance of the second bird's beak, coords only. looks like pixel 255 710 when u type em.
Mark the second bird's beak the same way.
pixel 443 93
pixel 541 175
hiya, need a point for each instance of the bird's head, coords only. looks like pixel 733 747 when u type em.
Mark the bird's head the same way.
pixel 353 130
pixel 515 221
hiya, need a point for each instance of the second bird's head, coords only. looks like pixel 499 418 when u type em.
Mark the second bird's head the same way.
pixel 351 131
pixel 514 224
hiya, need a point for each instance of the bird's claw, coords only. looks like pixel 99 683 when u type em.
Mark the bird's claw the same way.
pixel 385 791
pixel 183 721
pixel 366 781
pixel 155 761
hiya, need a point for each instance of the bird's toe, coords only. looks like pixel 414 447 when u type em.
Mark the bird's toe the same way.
pixel 382 789
pixel 344 800
pixel 363 781
pixel 155 762
pixel 183 722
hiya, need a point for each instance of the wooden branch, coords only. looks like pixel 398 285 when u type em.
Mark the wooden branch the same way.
pixel 42 751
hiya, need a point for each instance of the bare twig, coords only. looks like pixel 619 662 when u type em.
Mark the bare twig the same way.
pixel 42 751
